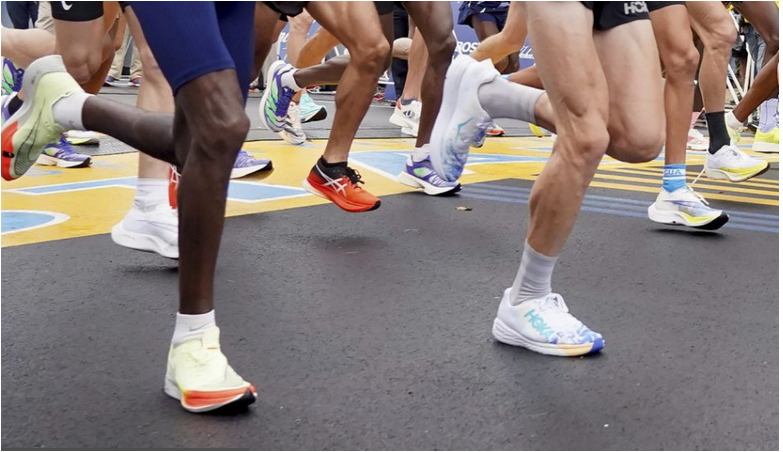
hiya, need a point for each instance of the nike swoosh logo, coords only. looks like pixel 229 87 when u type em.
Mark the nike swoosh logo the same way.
pixel 66 6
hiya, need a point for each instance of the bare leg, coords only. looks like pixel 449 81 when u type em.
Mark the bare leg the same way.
pixel 23 47
pixel 485 29
pixel 765 18
pixel 509 40
pixel 765 85
pixel 299 26
pixel 417 66
pixel 528 77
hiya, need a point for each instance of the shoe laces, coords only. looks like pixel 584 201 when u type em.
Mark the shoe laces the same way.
pixel 697 194
pixel 286 94
pixel 554 301
pixel 243 158
pixel 353 176
pixel 295 115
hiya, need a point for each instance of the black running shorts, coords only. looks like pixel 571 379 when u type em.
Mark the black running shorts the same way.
pixel 607 15
pixel 387 7
pixel 291 9
pixel 655 6
pixel 77 11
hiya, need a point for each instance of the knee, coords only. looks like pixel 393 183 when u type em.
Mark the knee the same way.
pixel 221 147
pixel 82 65
pixel 373 55
pixel 682 63
pixel 585 146
pixel 722 37
pixel 637 146
pixel 442 50
pixel 772 44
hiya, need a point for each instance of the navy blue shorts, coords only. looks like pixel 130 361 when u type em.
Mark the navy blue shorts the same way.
pixel 191 39
pixel 496 12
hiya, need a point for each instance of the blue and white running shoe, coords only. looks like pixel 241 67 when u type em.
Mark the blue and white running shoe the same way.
pixel 309 110
pixel 422 175
pixel 246 164
pixel 62 155
pixel 685 207
pixel 544 326
pixel 461 121
pixel 12 77
pixel 277 97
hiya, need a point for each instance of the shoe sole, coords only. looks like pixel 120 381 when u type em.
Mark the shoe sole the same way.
pixel 503 333
pixel 238 398
pixel 406 179
pixel 143 242
pixel 46 160
pixel 725 175
pixel 401 122
pixel 348 207
pixel 677 219
pixel 287 138
pixel 270 76
pixel 320 116
pixel 266 171
pixel 443 123
pixel 767 148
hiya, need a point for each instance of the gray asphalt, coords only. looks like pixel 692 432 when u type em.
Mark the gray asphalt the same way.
pixel 372 331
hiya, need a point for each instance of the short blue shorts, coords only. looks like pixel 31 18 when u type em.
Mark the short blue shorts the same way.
pixel 496 12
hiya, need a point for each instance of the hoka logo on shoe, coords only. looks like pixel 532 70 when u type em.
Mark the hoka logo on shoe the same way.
pixel 539 324
pixel 634 8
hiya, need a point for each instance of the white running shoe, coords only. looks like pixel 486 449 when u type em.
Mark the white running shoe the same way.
pixel 292 128
pixel 685 207
pixel 152 231
pixel 82 137
pixel 544 326
pixel 461 119
pixel 407 117
pixel 729 163
pixel 198 375
pixel 696 141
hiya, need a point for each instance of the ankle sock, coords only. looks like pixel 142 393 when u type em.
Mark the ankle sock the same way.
pixel 503 99
pixel 333 170
pixel 673 176
pixel 288 80
pixel 534 278
pixel 150 193
pixel 719 136
pixel 192 326
pixel 67 112
pixel 421 154
pixel 733 122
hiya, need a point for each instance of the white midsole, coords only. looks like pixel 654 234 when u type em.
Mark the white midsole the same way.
pixel 45 160
pixel 507 335
pixel 143 242
pixel 672 217
pixel 406 179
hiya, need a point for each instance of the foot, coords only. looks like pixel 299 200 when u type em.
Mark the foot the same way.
pixel 421 175
pixel 198 375
pixel 767 142
pixel 544 325
pixel 311 111
pixel 734 130
pixel 729 163
pixel 461 118
pixel 12 77
pixel 495 130
pixel 153 231
pixel 292 132
pixel 696 141
pixel 32 127
pixel 341 185
pixel 62 155
pixel 82 138
pixel 685 207
pixel 277 98
pixel 407 116
pixel 110 81
pixel 135 82
pixel 246 164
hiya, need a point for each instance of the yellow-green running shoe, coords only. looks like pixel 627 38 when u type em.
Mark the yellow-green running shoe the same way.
pixel 767 142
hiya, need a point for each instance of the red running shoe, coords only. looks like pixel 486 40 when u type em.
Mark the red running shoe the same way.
pixel 340 184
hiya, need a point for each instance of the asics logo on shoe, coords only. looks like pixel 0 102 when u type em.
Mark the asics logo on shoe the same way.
pixel 334 184
pixel 539 324
pixel 634 8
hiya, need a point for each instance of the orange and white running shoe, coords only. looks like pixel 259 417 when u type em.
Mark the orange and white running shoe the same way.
pixel 198 375
pixel 495 130
pixel 340 184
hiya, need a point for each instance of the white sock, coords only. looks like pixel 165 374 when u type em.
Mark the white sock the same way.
pixel 67 112
pixel 733 122
pixel 192 326
pixel 150 193
pixel 767 112
pixel 288 80
pixel 534 278
pixel 503 99
pixel 421 154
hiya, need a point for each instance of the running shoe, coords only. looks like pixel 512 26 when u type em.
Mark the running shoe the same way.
pixel 311 111
pixel 5 113
pixel 421 175
pixel 461 118
pixel 342 186
pixel 407 116
pixel 198 375
pixel 767 142
pixel 135 82
pixel 32 127
pixel 153 231
pixel 696 141
pixel 495 131
pixel 729 163
pixel 292 132
pixel 110 81
pixel 544 326
pixel 246 164
pixel 82 138
pixel 174 186
pixel 12 77
pixel 277 97
pixel 62 155
pixel 685 207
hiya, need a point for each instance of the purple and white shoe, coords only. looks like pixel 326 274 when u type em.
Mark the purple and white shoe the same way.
pixel 246 164
pixel 273 108
pixel 62 155
pixel 12 77
pixel 422 175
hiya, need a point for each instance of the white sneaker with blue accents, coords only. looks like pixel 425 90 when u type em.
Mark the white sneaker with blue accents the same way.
pixel 544 326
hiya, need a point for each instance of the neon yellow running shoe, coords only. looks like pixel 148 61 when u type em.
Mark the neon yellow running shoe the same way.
pixel 767 142
pixel 729 163
pixel 32 127
pixel 198 375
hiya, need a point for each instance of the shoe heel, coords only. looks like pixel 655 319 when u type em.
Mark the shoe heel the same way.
pixel 171 389
pixel 406 179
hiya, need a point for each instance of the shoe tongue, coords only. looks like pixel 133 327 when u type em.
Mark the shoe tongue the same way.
pixel 211 338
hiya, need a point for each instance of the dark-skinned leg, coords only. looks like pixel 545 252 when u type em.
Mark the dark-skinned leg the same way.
pixel 484 29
